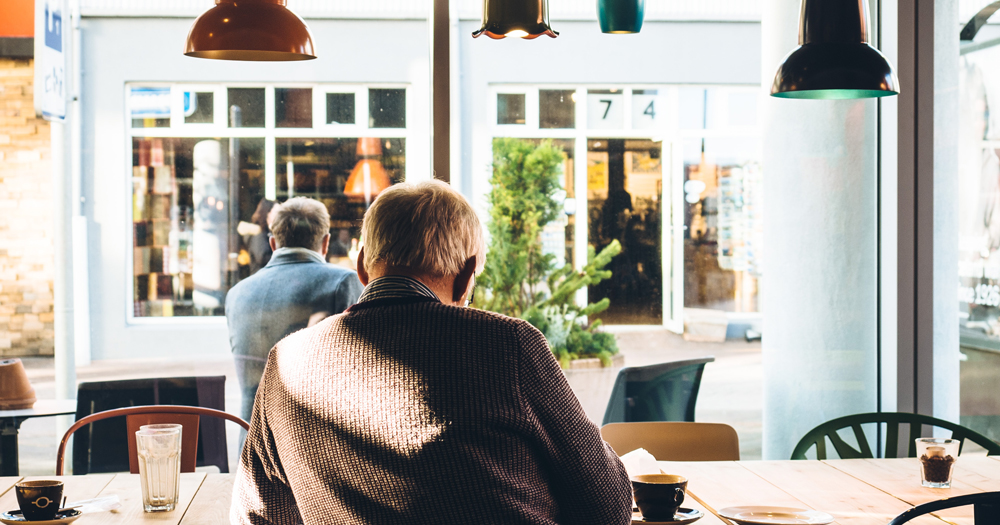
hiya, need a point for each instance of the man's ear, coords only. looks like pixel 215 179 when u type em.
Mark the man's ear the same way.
pixel 274 243
pixel 362 271
pixel 463 281
pixel 324 245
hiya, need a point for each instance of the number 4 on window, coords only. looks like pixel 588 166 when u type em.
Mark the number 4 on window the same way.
pixel 651 110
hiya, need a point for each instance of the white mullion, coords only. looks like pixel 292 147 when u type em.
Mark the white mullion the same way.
pixel 270 167
pixel 318 107
pixel 176 107
pixel 361 120
pixel 220 114
pixel 627 101
pixel 581 226
pixel 269 108
pixel 531 110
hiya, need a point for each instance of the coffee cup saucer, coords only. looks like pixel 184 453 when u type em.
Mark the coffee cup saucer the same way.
pixel 15 517
pixel 681 517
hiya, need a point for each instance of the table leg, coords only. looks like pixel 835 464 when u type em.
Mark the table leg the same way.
pixel 8 446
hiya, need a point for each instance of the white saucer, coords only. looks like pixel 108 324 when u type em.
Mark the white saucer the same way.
pixel 775 516
pixel 15 517
pixel 682 517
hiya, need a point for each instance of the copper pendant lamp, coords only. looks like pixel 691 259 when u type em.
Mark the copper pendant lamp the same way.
pixel 256 30
pixel 834 59
pixel 527 19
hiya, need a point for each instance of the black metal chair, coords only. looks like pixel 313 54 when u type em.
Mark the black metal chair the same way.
pixel 103 445
pixel 660 392
pixel 987 505
pixel 818 436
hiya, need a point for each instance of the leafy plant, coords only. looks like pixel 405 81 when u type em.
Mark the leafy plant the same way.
pixel 522 281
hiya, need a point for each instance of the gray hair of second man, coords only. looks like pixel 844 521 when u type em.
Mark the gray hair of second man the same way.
pixel 300 222
pixel 426 227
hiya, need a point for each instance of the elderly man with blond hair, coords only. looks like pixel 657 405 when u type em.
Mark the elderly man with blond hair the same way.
pixel 411 408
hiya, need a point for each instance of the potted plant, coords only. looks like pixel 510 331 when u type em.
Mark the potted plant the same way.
pixel 520 280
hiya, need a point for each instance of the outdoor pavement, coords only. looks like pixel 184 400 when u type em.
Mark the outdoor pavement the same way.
pixel 731 389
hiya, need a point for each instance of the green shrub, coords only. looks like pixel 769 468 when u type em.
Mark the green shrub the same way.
pixel 522 281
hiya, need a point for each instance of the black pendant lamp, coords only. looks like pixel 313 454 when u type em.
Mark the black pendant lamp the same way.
pixel 834 60
pixel 258 30
pixel 525 19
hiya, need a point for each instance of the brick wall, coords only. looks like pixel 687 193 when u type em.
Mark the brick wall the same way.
pixel 26 249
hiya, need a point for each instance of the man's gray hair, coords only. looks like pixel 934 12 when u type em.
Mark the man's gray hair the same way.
pixel 426 227
pixel 300 222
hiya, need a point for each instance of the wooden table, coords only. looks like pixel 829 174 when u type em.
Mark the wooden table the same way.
pixel 855 492
pixel 10 423
pixel 204 499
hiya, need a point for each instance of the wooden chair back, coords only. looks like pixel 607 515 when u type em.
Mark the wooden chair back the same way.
pixel 675 441
pixel 189 437
pixel 186 416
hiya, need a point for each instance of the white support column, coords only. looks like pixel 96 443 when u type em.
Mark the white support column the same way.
pixel 62 286
pixel 820 270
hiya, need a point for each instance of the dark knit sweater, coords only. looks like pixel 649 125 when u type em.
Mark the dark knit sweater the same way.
pixel 411 411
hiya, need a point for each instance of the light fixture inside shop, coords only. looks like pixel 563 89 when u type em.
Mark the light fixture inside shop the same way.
pixel 254 30
pixel 368 178
pixel 525 19
pixel 834 59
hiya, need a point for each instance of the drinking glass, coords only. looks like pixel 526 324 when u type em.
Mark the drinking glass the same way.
pixel 937 461
pixel 159 466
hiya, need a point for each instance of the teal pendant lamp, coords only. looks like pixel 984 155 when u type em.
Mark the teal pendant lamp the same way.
pixel 621 17
pixel 527 19
pixel 834 60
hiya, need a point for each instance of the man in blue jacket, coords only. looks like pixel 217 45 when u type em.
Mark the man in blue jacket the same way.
pixel 296 288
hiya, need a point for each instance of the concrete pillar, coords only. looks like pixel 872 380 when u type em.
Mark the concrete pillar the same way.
pixel 820 268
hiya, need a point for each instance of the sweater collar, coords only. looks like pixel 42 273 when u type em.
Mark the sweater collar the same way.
pixel 396 287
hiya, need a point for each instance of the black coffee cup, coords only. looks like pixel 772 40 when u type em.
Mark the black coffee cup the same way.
pixel 659 495
pixel 39 500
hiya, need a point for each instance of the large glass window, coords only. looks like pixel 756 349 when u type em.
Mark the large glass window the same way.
pixel 209 163
pixel 673 174
pixel 979 241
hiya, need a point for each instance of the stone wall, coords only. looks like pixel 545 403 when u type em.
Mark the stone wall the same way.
pixel 26 225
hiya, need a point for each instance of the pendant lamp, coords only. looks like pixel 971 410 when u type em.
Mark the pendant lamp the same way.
pixel 621 16
pixel 257 30
pixel 834 59
pixel 527 19
pixel 368 178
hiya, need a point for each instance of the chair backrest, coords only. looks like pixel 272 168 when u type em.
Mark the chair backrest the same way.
pixel 987 508
pixel 188 417
pixel 674 441
pixel 818 436
pixel 660 392
pixel 104 446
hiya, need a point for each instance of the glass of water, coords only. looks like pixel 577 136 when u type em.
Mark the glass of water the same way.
pixel 159 448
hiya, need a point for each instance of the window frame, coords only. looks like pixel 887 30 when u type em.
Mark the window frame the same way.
pixel 220 129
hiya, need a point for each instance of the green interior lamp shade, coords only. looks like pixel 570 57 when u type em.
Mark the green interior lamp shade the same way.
pixel 835 71
pixel 621 17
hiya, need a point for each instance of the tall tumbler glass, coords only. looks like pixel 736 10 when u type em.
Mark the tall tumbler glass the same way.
pixel 159 467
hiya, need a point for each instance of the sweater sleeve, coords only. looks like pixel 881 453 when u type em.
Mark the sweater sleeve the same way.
pixel 588 479
pixel 261 495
